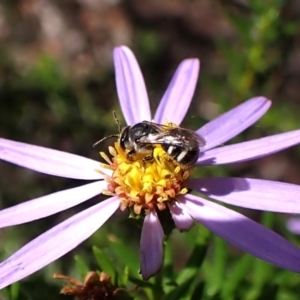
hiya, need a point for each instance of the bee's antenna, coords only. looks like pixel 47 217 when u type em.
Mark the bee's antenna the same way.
pixel 105 138
pixel 113 135
pixel 117 121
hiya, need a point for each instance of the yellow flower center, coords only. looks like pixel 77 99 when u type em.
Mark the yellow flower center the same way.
pixel 143 184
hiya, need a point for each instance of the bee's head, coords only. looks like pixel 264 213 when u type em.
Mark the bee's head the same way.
pixel 125 138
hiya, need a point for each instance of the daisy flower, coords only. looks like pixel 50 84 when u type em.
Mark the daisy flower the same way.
pixel 148 186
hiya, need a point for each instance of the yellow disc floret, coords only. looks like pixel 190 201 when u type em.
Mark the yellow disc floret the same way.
pixel 144 184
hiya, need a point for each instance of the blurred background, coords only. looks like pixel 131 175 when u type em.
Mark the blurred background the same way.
pixel 57 90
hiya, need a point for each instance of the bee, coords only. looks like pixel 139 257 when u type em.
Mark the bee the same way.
pixel 182 145
pixel 138 141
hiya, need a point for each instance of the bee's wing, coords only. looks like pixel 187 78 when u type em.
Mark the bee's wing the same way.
pixel 201 141
pixel 173 136
pixel 162 137
pixel 158 127
pixel 190 136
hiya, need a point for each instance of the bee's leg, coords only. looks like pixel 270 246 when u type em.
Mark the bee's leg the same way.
pixel 130 155
pixel 148 150
pixel 148 158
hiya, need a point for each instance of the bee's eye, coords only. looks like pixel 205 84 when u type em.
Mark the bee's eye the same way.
pixel 124 137
pixel 139 130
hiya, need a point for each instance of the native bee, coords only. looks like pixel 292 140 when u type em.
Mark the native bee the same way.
pixel 182 145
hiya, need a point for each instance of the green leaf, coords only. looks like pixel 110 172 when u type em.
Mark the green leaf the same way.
pixel 194 263
pixel 182 291
pixel 218 267
pixel 236 276
pixel 268 292
pixel 81 266
pixel 198 292
pixel 125 277
pixel 125 254
pixel 168 261
pixel 104 263
pixel 14 291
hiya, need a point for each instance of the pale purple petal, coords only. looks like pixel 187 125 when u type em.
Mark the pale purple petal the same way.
pixel 48 205
pixel 131 87
pixel 250 150
pixel 251 193
pixel 151 248
pixel 243 232
pixel 49 161
pixel 55 242
pixel 178 96
pixel 233 122
pixel 293 225
pixel 181 218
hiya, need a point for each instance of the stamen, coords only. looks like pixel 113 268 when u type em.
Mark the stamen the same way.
pixel 106 158
pixel 145 184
